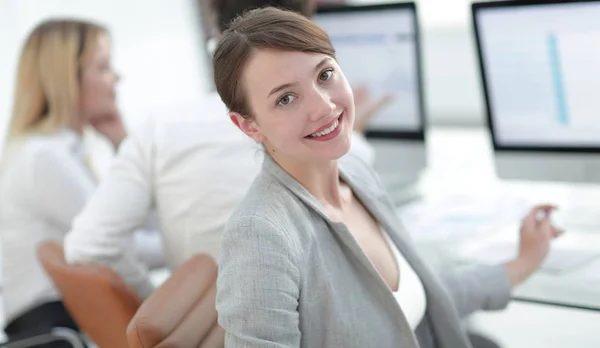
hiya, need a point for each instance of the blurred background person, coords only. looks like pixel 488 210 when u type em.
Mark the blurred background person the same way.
pixel 64 83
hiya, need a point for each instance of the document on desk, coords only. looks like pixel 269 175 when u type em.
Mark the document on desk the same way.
pixel 460 218
pixel 569 252
pixel 485 230
pixel 590 273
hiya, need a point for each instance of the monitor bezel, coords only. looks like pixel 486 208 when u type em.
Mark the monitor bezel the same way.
pixel 482 6
pixel 418 135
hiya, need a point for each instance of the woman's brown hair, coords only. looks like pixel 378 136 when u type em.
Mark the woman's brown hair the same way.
pixel 258 29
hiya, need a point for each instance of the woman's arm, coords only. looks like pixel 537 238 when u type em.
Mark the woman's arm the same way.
pixel 478 288
pixel 258 286
pixel 489 287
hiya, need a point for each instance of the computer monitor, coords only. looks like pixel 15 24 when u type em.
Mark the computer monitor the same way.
pixel 540 69
pixel 377 46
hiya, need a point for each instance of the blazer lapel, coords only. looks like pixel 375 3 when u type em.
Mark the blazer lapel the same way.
pixel 439 303
pixel 292 184
pixel 375 200
pixel 348 242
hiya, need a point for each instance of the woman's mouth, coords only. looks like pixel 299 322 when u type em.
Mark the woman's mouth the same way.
pixel 328 133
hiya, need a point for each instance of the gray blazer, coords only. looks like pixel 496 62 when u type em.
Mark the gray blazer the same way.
pixel 291 277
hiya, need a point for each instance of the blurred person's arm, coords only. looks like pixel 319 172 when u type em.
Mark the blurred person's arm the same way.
pixel 365 109
pixel 148 247
pixel 106 228
pixel 148 243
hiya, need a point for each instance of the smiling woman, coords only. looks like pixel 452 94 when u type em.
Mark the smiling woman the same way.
pixel 313 255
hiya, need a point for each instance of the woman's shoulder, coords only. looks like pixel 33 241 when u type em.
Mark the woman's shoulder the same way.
pixel 269 208
pixel 50 144
pixel 267 199
pixel 39 152
pixel 32 153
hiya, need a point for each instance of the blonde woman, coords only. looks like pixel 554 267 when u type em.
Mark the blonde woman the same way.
pixel 64 82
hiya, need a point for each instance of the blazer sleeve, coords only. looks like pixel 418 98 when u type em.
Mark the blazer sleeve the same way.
pixel 258 286
pixel 478 288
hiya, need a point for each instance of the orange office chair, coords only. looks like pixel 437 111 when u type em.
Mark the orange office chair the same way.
pixel 96 297
pixel 181 313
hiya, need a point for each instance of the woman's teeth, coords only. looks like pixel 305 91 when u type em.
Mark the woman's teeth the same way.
pixel 326 131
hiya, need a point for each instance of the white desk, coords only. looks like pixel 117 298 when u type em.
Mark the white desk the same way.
pixel 460 163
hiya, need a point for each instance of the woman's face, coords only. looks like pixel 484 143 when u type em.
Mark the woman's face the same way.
pixel 97 95
pixel 302 106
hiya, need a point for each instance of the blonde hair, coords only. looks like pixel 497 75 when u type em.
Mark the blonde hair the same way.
pixel 46 95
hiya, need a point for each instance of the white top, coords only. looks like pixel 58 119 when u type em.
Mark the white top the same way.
pixel 410 294
pixel 191 163
pixel 43 185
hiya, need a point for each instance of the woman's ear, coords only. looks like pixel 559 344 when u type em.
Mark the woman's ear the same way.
pixel 248 126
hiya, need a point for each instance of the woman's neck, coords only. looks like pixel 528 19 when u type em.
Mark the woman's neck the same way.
pixel 77 126
pixel 321 179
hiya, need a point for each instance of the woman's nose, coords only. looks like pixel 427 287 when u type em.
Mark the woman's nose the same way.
pixel 322 105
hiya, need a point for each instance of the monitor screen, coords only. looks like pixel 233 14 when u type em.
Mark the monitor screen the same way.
pixel 376 47
pixel 541 72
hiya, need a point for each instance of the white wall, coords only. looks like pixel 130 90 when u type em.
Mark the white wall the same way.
pixel 10 12
pixel 157 48
pixel 452 82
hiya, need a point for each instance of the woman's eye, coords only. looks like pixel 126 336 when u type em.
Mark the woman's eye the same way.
pixel 326 75
pixel 285 100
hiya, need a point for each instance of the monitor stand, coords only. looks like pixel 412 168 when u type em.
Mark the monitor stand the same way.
pixel 404 193
pixel 399 164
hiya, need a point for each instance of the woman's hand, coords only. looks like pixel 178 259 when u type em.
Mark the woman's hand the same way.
pixel 111 126
pixel 536 234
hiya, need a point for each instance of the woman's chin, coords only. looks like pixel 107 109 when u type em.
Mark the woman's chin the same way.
pixel 339 149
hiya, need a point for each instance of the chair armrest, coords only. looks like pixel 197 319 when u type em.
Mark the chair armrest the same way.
pixel 56 334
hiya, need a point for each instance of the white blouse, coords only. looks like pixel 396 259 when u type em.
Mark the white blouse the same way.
pixel 410 294
pixel 44 183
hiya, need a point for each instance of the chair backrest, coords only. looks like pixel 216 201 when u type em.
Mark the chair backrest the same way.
pixel 181 312
pixel 97 298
